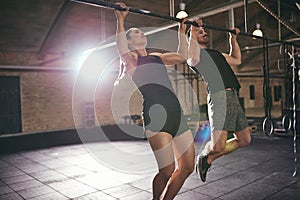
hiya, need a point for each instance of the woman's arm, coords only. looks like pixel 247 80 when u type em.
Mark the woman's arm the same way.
pixel 121 40
pixel 170 58
pixel 234 58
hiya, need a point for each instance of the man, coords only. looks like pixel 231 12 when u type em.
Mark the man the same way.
pixel 224 110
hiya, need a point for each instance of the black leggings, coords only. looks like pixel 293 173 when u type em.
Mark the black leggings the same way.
pixel 172 122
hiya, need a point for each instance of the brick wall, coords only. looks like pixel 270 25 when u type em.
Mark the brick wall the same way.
pixel 55 100
pixel 46 99
pixel 50 102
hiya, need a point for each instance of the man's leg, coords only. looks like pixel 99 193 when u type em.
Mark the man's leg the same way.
pixel 216 144
pixel 235 120
pixel 241 139
pixel 219 146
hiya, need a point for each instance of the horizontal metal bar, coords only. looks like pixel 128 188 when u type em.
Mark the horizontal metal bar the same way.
pixel 149 13
pixel 247 48
pixel 206 13
pixel 131 9
pixel 251 75
pixel 35 68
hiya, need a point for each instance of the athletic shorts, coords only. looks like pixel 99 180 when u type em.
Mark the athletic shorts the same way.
pixel 172 122
pixel 225 111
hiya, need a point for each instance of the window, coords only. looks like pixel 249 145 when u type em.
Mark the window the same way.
pixel 10 105
pixel 252 92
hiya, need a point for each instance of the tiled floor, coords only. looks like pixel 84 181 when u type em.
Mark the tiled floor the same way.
pixel 262 170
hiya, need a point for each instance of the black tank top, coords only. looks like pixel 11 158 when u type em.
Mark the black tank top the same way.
pixel 151 78
pixel 216 72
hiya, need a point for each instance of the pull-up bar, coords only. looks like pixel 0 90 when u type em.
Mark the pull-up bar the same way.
pixel 100 3
pixel 104 4
pixel 131 9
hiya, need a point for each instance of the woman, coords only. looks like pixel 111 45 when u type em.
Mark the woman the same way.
pixel 166 129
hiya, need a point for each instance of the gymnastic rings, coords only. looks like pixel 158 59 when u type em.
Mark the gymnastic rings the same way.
pixel 286 122
pixel 268 126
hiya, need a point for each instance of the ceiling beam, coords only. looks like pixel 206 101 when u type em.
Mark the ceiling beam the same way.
pixel 41 53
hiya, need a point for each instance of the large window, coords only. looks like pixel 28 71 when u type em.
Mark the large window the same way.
pixel 10 105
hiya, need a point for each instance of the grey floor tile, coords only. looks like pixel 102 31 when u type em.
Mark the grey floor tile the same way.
pixel 296 186
pixel 141 195
pixel 36 191
pixel 92 165
pixel 215 190
pixel 11 196
pixel 73 171
pixel 279 180
pixel 50 196
pixel 3 164
pixel 66 184
pixel 13 158
pixel 49 176
pixel 96 196
pixel 54 163
pixel 269 166
pixel 218 173
pixel 122 191
pixel 78 191
pixel 143 183
pixel 2 183
pixel 232 158
pixel 242 164
pixel 256 190
pixel 193 182
pixel 17 179
pixel 192 195
pixel 5 190
pixel 262 170
pixel 36 155
pixel 10 172
pixel 100 181
pixel 285 194
pixel 25 185
pixel 32 167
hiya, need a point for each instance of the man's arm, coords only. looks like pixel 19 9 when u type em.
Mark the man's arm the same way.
pixel 234 57
pixel 182 40
pixel 194 47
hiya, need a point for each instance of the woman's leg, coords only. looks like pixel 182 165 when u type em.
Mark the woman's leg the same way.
pixel 161 144
pixel 183 146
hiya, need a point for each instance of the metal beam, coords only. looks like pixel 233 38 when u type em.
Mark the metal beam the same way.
pixel 35 68
pixel 270 45
pixel 246 15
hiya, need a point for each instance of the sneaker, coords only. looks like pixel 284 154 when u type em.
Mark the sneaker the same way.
pixel 202 167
